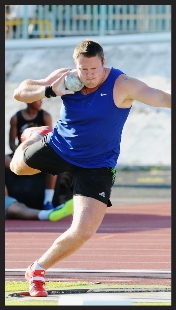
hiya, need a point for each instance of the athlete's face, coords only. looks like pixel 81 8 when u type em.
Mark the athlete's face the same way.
pixel 90 70
pixel 36 105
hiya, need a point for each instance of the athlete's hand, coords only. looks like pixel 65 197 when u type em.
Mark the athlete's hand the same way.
pixel 58 86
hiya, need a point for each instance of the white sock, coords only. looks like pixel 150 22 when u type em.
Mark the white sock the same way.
pixel 36 266
pixel 43 214
pixel 49 193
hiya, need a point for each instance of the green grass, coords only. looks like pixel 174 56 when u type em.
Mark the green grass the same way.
pixel 17 287
pixel 24 286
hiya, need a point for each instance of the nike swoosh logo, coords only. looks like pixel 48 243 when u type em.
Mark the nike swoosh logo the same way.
pixel 103 94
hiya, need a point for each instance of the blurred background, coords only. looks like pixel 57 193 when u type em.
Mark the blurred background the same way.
pixel 50 21
pixel 135 39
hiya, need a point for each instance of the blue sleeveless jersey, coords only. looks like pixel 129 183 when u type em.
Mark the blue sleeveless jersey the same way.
pixel 89 132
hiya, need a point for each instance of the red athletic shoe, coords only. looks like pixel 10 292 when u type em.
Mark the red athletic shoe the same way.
pixel 36 282
pixel 40 131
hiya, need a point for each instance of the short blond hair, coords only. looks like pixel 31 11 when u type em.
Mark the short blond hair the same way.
pixel 88 48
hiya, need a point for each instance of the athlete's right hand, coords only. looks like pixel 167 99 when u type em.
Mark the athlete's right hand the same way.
pixel 58 86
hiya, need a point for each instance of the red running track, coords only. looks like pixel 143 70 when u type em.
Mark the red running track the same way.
pixel 136 236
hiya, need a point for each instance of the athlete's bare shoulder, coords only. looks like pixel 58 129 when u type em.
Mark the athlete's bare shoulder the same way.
pixel 123 78
pixel 123 82
pixel 120 92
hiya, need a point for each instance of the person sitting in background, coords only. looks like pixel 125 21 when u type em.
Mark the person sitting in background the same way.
pixel 30 190
pixel 18 210
pixel 32 116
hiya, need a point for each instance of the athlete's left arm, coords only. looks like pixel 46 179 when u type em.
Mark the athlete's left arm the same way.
pixel 140 91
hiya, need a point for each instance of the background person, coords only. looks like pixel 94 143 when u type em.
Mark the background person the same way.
pixel 19 211
pixel 29 189
pixel 32 116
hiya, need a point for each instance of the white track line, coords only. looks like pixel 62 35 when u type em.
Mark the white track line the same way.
pixel 61 273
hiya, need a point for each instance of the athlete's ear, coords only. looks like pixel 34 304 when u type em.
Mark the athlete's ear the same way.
pixel 103 61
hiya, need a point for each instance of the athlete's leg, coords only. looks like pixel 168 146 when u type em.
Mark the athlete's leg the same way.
pixel 17 164
pixel 87 217
pixel 28 137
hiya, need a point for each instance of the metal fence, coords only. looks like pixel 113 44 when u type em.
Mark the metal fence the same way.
pixel 49 21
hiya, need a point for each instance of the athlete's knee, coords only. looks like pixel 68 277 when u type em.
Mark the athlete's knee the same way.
pixel 17 165
pixel 15 168
pixel 11 166
pixel 84 233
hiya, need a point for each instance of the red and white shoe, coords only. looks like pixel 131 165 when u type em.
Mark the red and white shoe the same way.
pixel 36 282
pixel 33 131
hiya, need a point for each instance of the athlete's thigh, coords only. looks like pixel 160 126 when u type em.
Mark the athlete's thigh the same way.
pixel 41 156
pixel 95 183
pixel 88 213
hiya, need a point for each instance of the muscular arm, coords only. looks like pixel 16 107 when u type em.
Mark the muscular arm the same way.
pixel 129 89
pixel 32 90
pixel 13 133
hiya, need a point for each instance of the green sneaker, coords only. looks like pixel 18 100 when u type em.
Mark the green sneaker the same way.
pixel 65 210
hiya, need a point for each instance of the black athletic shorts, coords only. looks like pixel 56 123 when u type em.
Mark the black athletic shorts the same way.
pixel 90 182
